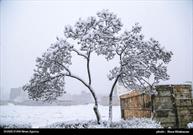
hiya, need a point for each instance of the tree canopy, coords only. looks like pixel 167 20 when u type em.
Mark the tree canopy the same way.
pixel 142 63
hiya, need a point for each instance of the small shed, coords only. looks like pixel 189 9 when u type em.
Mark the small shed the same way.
pixel 172 106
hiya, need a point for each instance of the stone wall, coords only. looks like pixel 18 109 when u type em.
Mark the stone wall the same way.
pixel 184 104
pixel 172 107
pixel 135 104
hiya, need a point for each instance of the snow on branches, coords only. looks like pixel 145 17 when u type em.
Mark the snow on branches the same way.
pixel 47 82
pixel 142 63
pixel 96 33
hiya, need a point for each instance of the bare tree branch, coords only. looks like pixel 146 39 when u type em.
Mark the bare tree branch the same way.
pixel 88 68
pixel 51 78
pixel 58 64
pixel 80 54
pixel 63 66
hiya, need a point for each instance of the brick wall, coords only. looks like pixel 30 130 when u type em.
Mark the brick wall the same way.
pixel 173 106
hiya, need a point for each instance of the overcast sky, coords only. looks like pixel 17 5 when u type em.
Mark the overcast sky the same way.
pixel 29 27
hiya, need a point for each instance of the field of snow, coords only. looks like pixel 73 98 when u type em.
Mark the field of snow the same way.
pixel 40 116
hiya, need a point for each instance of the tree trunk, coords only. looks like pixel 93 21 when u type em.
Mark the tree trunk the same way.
pixel 95 108
pixel 111 101
pixel 110 110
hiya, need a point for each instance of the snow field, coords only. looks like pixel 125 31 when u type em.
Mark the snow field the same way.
pixel 40 116
pixel 76 116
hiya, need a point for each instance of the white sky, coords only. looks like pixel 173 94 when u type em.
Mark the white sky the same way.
pixel 29 27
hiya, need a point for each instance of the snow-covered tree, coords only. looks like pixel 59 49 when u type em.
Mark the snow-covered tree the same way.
pixel 142 63
pixel 140 60
pixel 90 35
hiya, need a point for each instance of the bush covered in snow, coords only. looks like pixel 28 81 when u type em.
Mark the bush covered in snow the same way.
pixel 190 125
pixel 130 123
pixel 15 125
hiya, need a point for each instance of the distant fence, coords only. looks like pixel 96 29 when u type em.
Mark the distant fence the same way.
pixel 173 106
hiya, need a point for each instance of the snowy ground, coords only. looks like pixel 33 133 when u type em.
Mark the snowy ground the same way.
pixel 40 116
pixel 76 116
